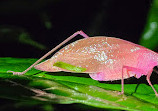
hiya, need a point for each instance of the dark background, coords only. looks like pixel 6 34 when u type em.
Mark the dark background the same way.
pixel 49 22
pixel 119 18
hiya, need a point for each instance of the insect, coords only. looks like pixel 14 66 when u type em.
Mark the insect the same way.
pixel 103 58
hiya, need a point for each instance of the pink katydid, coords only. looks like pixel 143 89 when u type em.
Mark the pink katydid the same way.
pixel 104 58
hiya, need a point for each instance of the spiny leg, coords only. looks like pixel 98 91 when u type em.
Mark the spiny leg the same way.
pixel 148 79
pixel 51 51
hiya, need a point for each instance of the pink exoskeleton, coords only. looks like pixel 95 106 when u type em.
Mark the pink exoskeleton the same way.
pixel 105 58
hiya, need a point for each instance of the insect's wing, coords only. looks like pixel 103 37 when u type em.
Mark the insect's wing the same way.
pixel 78 53
pixel 96 54
pixel 47 66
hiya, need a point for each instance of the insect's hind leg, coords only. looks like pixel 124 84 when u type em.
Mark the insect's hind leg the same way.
pixel 80 33
pixel 155 69
pixel 138 73
pixel 148 79
pixel 51 51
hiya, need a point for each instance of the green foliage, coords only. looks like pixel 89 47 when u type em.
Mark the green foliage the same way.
pixel 149 37
pixel 36 87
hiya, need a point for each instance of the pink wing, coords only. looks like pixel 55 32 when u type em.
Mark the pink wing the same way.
pixel 103 55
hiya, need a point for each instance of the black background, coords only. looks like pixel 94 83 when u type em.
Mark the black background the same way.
pixel 118 18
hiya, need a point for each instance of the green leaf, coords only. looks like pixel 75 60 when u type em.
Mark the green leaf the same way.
pixel 149 37
pixel 69 67
pixel 36 87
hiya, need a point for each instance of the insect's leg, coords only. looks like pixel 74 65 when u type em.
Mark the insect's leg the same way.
pixel 138 72
pixel 155 70
pixel 148 79
pixel 51 51
pixel 122 81
pixel 122 78
pixel 128 74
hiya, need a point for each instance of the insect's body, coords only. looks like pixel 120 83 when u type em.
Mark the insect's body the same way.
pixel 103 58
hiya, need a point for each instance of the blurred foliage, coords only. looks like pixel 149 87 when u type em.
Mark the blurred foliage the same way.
pixel 12 34
pixel 149 37
pixel 46 89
